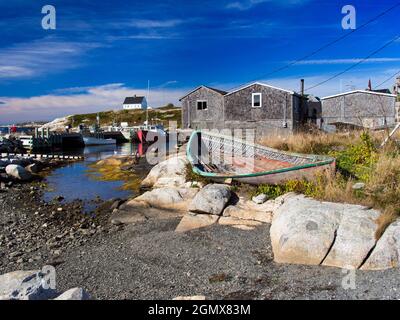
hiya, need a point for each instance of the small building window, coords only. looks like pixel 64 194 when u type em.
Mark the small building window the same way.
pixel 201 105
pixel 256 100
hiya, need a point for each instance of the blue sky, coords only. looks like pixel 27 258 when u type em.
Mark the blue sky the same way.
pixel 102 51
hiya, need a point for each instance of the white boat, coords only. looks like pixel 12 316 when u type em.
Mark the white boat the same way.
pixel 92 141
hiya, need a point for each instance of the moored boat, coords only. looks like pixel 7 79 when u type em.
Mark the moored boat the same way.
pixel 94 141
pixel 220 157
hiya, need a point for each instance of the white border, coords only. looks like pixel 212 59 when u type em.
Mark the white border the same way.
pixel 252 99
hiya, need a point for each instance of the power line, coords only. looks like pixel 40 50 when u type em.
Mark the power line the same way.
pixel 332 42
pixel 388 79
pixel 355 64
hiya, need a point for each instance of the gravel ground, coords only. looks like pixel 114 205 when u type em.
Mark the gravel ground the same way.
pixel 151 261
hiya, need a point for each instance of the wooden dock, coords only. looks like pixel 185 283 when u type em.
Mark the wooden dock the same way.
pixel 42 156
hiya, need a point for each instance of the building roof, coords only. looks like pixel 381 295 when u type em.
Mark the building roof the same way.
pixel 383 91
pixel 224 93
pixel 221 92
pixel 359 91
pixel 133 100
pixel 261 84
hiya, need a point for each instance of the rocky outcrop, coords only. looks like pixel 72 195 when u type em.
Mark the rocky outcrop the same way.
pixel 161 197
pixel 386 254
pixel 35 285
pixel 212 199
pixel 74 294
pixel 355 237
pixel 25 285
pixel 249 210
pixel 191 222
pixel 18 172
pixel 246 211
pixel 169 173
pixel 239 223
pixel 306 231
pixel 158 203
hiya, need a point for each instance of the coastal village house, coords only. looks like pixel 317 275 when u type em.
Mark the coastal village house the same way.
pixel 267 109
pixel 135 102
pixel 360 108
pixel 275 111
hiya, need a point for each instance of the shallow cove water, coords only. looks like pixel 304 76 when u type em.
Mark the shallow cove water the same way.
pixel 73 182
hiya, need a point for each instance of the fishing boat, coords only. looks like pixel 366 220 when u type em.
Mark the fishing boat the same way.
pixel 150 133
pixel 218 157
pixel 93 136
pixel 98 141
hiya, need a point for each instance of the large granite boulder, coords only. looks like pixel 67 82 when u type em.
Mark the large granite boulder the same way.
pixel 74 294
pixel 306 231
pixel 212 199
pixel 18 172
pixel 25 285
pixel 168 173
pixel 161 197
pixel 355 237
pixel 386 253
pixel 248 210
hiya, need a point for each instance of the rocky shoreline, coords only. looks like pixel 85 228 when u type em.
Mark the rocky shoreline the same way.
pixel 181 238
pixel 37 232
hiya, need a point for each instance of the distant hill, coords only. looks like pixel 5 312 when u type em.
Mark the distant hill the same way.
pixel 133 117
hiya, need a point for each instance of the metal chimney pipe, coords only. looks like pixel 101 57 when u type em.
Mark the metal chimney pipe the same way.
pixel 302 87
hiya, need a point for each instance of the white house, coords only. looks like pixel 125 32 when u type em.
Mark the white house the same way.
pixel 135 102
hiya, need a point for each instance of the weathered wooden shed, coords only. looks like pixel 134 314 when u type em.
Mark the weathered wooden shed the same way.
pixel 266 109
pixel 203 108
pixel 367 109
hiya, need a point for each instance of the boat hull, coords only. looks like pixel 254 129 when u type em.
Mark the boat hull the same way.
pixel 264 166
pixel 277 178
pixel 91 141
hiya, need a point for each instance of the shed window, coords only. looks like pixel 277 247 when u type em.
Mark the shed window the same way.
pixel 201 105
pixel 256 100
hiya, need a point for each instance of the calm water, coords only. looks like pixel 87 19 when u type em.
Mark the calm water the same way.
pixel 73 182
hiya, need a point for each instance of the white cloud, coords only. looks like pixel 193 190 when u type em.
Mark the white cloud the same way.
pixel 29 59
pixel 14 72
pixel 150 24
pixel 248 4
pixel 346 61
pixel 79 100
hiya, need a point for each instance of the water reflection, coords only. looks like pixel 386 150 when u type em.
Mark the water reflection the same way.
pixel 73 182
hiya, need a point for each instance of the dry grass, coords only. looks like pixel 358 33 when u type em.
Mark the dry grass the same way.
pixel 317 142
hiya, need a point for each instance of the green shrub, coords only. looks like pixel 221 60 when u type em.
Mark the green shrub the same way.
pixel 357 161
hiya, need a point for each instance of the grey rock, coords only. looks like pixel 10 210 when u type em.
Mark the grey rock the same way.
pixel 168 173
pixel 74 294
pixel 260 199
pixel 25 285
pixel 386 254
pixel 212 199
pixel 18 172
pixel 306 231
pixel 161 197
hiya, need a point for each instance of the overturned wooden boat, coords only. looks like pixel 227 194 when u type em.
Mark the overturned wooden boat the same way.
pixel 219 157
